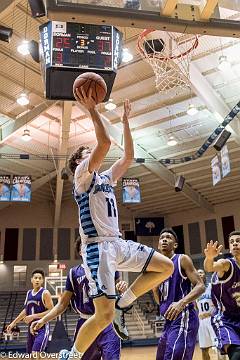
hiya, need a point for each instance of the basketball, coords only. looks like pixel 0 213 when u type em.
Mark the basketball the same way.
pixel 91 80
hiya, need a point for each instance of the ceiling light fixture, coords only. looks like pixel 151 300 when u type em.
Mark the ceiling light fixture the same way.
pixel 192 110
pixel 223 63
pixel 23 99
pixel 23 48
pixel 110 105
pixel 126 55
pixel 26 135
pixel 172 141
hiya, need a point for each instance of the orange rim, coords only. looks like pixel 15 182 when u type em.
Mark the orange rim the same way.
pixel 148 31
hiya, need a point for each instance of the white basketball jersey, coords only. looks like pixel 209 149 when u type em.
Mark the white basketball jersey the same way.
pixel 204 302
pixel 98 215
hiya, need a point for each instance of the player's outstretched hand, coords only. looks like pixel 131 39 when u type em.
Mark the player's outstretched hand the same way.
pixel 86 100
pixel 212 250
pixel 35 326
pixel 121 286
pixel 9 328
pixel 127 110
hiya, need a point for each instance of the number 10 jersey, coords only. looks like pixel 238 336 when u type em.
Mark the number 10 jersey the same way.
pixel 98 215
pixel 204 302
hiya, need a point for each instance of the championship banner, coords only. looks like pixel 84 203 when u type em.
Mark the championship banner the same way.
pixel 226 168
pixel 21 188
pixel 131 191
pixel 216 172
pixel 5 182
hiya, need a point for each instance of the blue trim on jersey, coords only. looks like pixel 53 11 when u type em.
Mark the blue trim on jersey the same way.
pixel 84 211
pixel 93 263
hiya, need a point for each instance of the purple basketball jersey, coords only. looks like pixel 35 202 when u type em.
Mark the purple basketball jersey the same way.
pixel 33 305
pixel 174 288
pixel 223 291
pixel 78 284
pixel 34 302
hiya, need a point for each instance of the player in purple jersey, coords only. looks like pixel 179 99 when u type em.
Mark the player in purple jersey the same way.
pixel 175 297
pixel 37 304
pixel 103 249
pixel 226 294
pixel 107 345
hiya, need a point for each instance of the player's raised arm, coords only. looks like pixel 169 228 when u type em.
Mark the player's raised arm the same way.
pixel 121 165
pixel 213 250
pixel 103 139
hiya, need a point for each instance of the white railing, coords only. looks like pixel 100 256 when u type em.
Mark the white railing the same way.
pixel 137 317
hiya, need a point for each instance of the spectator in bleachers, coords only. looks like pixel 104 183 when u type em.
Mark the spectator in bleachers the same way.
pixel 16 332
pixel 7 336
pixel 148 308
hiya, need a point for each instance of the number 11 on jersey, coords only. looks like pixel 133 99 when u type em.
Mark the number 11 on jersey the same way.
pixel 111 208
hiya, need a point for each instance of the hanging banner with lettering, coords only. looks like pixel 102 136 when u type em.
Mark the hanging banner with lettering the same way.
pixel 216 171
pixel 21 188
pixel 131 191
pixel 5 186
pixel 226 167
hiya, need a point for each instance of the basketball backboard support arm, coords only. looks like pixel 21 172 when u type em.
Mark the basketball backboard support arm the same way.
pixel 94 14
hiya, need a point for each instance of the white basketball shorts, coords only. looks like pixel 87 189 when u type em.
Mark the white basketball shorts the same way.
pixel 102 259
pixel 206 333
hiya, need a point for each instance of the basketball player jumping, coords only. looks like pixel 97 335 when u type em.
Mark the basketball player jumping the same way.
pixel 205 307
pixel 107 345
pixel 176 296
pixel 37 304
pixel 226 295
pixel 103 250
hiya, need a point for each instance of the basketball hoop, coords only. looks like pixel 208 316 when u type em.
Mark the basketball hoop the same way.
pixel 169 55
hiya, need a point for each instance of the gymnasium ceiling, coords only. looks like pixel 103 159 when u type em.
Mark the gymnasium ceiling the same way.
pixel 154 118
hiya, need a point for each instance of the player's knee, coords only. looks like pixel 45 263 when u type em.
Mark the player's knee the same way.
pixel 167 266
pixel 161 264
pixel 233 352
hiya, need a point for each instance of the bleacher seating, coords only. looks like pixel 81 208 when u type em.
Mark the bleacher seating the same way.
pixel 11 304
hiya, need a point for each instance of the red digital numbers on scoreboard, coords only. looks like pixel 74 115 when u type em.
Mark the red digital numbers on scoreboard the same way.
pixel 107 46
pixel 59 58
pixel 107 61
pixel 62 42
pixel 104 45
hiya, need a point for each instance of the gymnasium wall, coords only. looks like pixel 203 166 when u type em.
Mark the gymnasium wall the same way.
pixel 37 242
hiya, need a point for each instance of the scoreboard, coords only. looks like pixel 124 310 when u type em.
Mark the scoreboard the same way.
pixel 70 49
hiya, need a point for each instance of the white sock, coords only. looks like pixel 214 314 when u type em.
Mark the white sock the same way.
pixel 127 298
pixel 75 354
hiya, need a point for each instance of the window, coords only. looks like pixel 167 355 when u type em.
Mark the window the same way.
pixel 11 244
pixel 227 226
pixel 194 238
pixel 46 244
pixel 64 244
pixel 19 276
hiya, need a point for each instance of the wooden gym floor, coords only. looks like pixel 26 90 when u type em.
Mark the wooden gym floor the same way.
pixel 149 353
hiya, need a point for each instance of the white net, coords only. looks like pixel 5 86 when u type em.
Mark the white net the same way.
pixel 169 55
